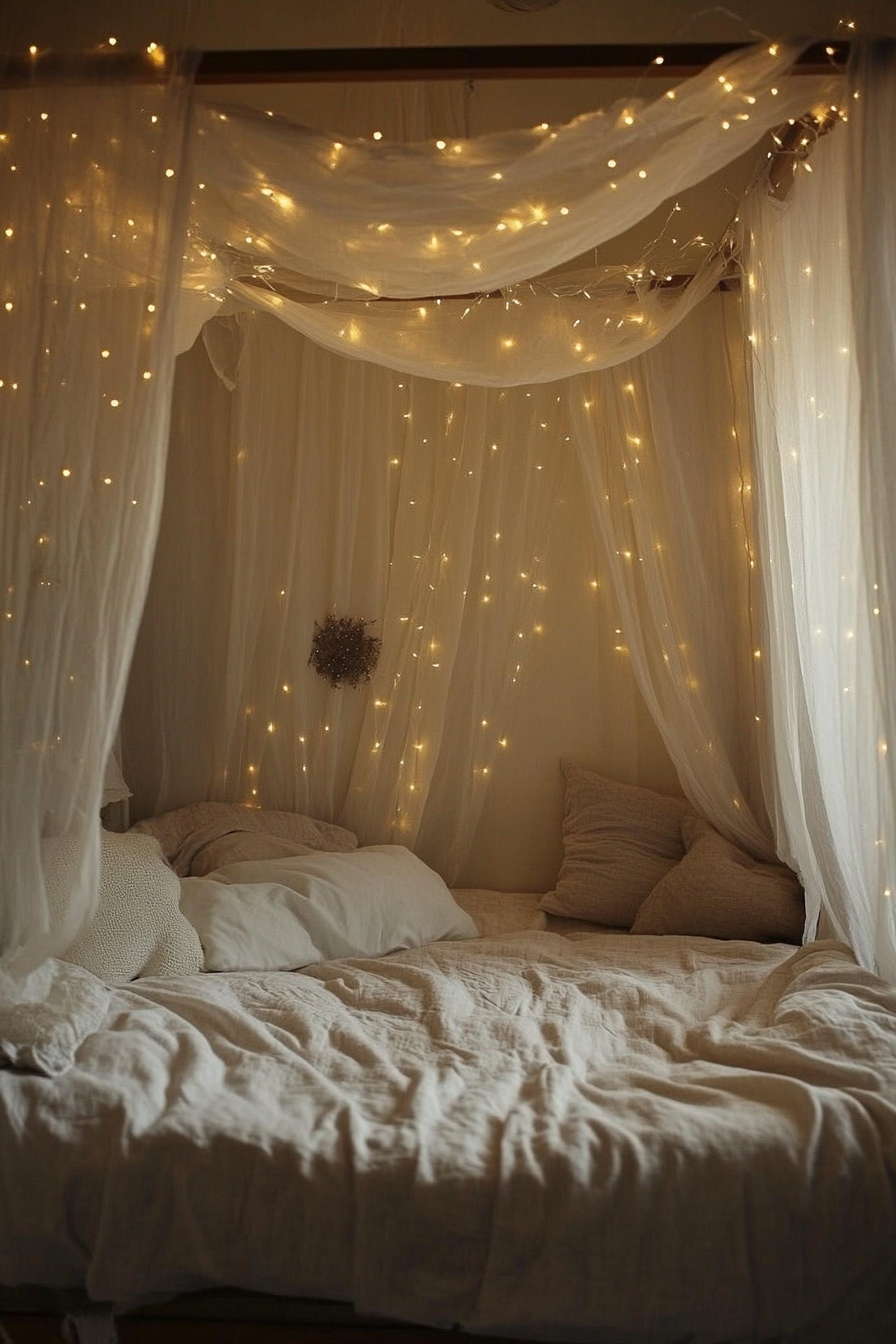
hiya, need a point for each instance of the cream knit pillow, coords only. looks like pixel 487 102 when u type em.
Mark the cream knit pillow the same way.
pixel 138 928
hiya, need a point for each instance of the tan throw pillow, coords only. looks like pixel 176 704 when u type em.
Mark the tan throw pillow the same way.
pixel 243 847
pixel 618 841
pixel 718 891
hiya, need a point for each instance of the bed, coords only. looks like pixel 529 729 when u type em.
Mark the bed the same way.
pixel 527 1125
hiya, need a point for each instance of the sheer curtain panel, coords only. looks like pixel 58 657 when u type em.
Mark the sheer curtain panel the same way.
pixel 821 328
pixel 442 513
pixel 93 216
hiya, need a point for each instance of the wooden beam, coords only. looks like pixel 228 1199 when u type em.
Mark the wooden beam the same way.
pixel 359 64
pixel 492 62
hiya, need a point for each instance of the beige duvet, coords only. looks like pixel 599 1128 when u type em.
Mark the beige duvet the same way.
pixel 601 1137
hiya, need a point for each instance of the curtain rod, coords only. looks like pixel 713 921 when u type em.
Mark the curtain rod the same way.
pixel 359 64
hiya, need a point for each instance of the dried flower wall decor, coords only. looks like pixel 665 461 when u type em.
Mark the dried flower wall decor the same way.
pixel 342 651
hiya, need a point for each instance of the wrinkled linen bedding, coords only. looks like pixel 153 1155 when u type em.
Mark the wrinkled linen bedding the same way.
pixel 603 1137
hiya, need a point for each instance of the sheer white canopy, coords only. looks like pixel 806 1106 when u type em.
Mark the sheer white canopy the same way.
pixel 447 521
pixel 277 213
pixel 824 338
pixel 95 195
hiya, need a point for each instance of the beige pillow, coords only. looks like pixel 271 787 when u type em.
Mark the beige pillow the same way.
pixel 618 841
pixel 718 891
pixel 243 847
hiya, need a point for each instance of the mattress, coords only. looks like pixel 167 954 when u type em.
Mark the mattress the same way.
pixel 566 1136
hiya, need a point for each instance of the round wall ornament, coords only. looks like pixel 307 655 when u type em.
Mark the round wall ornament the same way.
pixel 342 652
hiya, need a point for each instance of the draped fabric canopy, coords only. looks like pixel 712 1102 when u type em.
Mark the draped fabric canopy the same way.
pixel 94 201
pixel 823 330
pixel 472 527
pixel 277 213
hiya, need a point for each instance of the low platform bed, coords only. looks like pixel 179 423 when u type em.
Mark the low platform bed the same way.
pixel 527 1127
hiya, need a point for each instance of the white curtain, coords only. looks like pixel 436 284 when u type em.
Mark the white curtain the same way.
pixel 425 506
pixel 536 332
pixel 94 209
pixel 327 485
pixel 275 212
pixel 459 216
pixel 441 513
pixel 820 270
pixel 666 460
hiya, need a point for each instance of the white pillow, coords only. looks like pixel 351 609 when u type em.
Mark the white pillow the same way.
pixel 138 928
pixel 280 914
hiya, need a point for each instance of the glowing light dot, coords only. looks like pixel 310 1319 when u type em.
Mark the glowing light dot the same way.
pixel 114 402
pixel 377 135
pixel 66 471
pixel 104 354
pixel 32 51
pixel 611 163
pixel 629 120
pixel 564 209
pixel 107 480
pixel 8 306
pixel 147 375
pixel 44 116
pixel 8 233
pixel 440 144
pixel 169 172
pixel 642 172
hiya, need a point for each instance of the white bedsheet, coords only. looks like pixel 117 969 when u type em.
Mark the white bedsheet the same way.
pixel 603 1137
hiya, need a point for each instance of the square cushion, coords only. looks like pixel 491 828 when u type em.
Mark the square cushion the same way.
pixel 618 841
pixel 719 891
pixel 137 927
